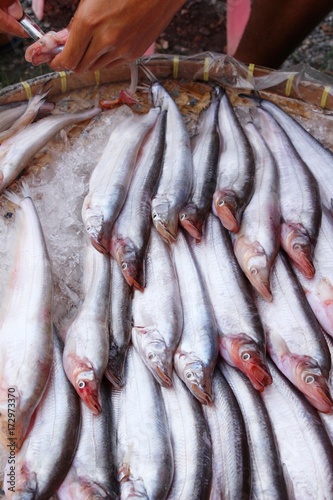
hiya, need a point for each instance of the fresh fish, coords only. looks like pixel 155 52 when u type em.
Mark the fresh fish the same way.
pixel 46 47
pixel 191 444
pixel 304 448
pixel 176 180
pixel 26 335
pixel 9 114
pixel 92 474
pixel 144 454
pixel 231 467
pixel 327 419
pixel 86 349
pixel 294 338
pixel 258 239
pixel 267 481
pixel 17 151
pixel 130 233
pixel 236 169
pixel 110 180
pixel 197 351
pixel 313 153
pixel 120 324
pixel 205 151
pixel 241 336
pixel 48 450
pixel 319 289
pixel 157 312
pixel 299 196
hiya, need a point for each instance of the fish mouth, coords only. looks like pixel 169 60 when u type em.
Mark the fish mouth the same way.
pixel 259 376
pixel 162 377
pixel 99 247
pixel 116 380
pixel 165 232
pixel 90 395
pixel 204 397
pixel 227 216
pixel 321 400
pixel 262 286
pixel 194 229
pixel 303 261
pixel 133 282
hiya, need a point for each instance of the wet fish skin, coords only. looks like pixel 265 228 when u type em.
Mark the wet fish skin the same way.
pixel 130 233
pixel 17 151
pixel 8 114
pixel 300 197
pixel 111 178
pixel 120 325
pixel 205 150
pixel 86 349
pixel 144 454
pixel 197 351
pixel 267 479
pixel 176 179
pixel 242 340
pixel 236 171
pixel 157 312
pixel 48 450
pixel 26 334
pixel 191 443
pixel 258 240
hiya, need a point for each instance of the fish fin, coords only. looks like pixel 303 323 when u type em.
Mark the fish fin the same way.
pixel 276 345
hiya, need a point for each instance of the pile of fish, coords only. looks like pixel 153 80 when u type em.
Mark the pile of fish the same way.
pixel 199 362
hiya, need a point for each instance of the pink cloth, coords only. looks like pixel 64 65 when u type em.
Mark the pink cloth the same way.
pixel 238 13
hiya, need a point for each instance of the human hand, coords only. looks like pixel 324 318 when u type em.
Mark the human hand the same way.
pixel 10 12
pixel 105 33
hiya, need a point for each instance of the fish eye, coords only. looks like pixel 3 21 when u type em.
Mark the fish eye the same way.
pixel 246 356
pixel 309 379
pixel 183 216
pixel 297 246
pixel 154 216
pixel 124 266
pixel 221 203
pixel 150 356
pixel 81 384
pixel 253 270
pixel 188 375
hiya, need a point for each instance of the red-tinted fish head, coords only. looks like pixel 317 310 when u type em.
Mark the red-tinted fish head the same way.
pixel 192 221
pixel 225 206
pixel 130 264
pixel 313 384
pixel 245 354
pixel 297 243
pixel 88 388
pixel 166 222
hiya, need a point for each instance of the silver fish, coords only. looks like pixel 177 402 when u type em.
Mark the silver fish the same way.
pixel 111 178
pixel 294 339
pixel 17 151
pixel 157 312
pixel 236 170
pixel 48 450
pixel 120 325
pixel 197 351
pixel 191 444
pixel 92 474
pixel 258 239
pixel 242 340
pixel 86 349
pixel 176 180
pixel 327 419
pixel 8 114
pixel 304 448
pixel 144 454
pixel 205 150
pixel 26 333
pixel 299 196
pixel 130 233
pixel 230 462
pixel 267 481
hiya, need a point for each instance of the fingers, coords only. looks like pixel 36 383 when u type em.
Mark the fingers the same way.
pixel 38 8
pixel 9 13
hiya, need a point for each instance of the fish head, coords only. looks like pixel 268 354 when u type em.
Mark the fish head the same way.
pixel 242 352
pixel 191 220
pixel 156 354
pixel 297 243
pixel 95 227
pixel 193 373
pixel 225 206
pixel 130 263
pixel 130 487
pixel 88 388
pixel 257 271
pixel 166 221
pixel 159 95
pixel 310 380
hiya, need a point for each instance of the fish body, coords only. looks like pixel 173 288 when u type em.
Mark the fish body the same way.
pixel 9 114
pixel 235 177
pixel 157 312
pixel 130 233
pixel 327 419
pixel 242 341
pixel 48 450
pixel 191 443
pixel 175 184
pixel 267 481
pixel 258 240
pixel 144 454
pixel 120 325
pixel 303 444
pixel 26 333
pixel 196 354
pixel 299 197
pixel 86 349
pixel 205 150
pixel 111 178
pixel 17 151
pixel 294 338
